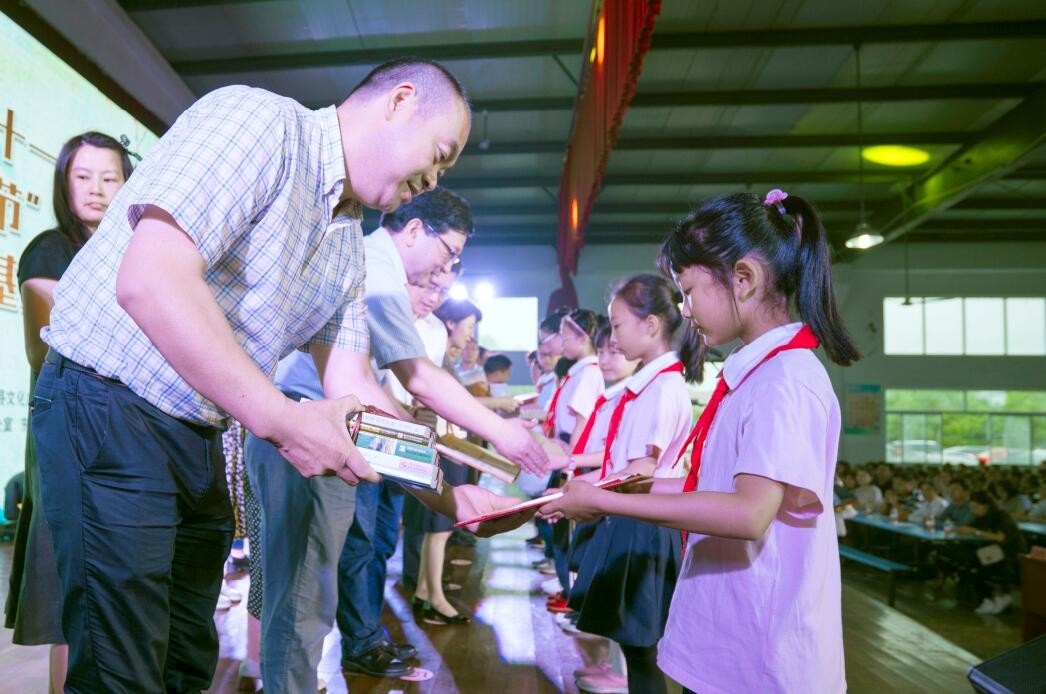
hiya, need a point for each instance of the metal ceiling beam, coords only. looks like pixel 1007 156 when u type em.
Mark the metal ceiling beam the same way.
pixel 525 180
pixel 1026 203
pixel 547 237
pixel 151 5
pixel 1024 225
pixel 772 97
pixel 879 176
pixel 733 142
pixel 849 35
pixel 687 40
pixel 996 152
pixel 450 50
pixel 654 208
pixel 650 208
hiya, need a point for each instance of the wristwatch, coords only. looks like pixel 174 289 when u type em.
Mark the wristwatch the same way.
pixel 571 463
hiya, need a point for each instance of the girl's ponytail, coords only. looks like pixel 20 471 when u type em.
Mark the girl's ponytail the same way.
pixel 814 290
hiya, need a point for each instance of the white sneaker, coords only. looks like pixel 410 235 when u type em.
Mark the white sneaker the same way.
pixel 1001 603
pixel 986 606
pixel 547 567
pixel 551 586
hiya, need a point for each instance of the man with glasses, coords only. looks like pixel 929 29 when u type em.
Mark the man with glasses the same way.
pixel 305 522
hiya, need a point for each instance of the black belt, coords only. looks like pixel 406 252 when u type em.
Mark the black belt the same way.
pixel 53 357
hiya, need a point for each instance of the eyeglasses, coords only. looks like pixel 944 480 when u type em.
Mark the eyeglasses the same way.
pixel 453 256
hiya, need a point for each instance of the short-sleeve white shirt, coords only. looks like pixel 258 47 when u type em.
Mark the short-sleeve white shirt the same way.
pixel 765 615
pixel 660 416
pixel 597 438
pixel 579 394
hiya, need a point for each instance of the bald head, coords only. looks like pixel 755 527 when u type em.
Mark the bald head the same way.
pixel 435 85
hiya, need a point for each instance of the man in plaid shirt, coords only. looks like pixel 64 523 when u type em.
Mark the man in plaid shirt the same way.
pixel 236 241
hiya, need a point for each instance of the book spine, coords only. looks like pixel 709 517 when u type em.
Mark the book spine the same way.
pixel 387 423
pixel 377 430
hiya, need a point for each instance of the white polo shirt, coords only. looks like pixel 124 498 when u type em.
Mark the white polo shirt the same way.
pixel 661 416
pixel 579 394
pixel 597 438
pixel 765 615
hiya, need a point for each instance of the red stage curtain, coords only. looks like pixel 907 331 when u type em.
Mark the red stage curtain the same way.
pixel 618 39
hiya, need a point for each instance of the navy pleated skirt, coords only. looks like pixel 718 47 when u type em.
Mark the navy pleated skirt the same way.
pixel 625 581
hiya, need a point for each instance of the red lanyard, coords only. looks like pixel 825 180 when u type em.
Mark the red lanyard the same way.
pixel 804 339
pixel 619 411
pixel 550 420
pixel 579 447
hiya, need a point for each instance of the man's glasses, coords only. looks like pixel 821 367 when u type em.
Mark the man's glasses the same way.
pixel 453 256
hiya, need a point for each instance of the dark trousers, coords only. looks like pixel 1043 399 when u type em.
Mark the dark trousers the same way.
pixel 644 677
pixel 139 510
pixel 413 536
pixel 561 541
pixel 362 566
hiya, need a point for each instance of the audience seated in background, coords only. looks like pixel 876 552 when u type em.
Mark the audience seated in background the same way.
pixel 868 497
pixel 1038 511
pixel 1010 500
pixel 958 511
pixel 932 505
pixel 993 569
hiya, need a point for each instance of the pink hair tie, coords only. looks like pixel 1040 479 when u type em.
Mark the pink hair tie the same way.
pixel 775 197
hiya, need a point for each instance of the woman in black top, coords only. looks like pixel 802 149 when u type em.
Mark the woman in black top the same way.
pixel 88 172
pixel 993 580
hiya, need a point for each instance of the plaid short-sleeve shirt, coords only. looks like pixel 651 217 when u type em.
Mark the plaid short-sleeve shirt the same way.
pixel 254 179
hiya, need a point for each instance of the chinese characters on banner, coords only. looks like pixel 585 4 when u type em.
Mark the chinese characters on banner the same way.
pixel 33 126
pixel 13 198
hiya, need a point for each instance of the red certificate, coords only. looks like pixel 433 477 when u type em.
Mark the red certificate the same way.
pixel 609 483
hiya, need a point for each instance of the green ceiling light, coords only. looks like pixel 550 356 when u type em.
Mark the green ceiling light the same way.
pixel 896 155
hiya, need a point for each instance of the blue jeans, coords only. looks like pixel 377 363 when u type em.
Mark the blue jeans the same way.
pixel 304 522
pixel 362 567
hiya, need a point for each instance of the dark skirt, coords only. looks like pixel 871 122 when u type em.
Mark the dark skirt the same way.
pixel 420 517
pixel 584 531
pixel 34 598
pixel 626 579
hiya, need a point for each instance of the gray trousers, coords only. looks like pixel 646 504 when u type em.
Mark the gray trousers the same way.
pixel 303 527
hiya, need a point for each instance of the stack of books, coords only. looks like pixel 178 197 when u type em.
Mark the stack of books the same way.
pixel 401 451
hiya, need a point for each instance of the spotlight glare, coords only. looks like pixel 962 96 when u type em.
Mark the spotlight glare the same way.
pixel 459 292
pixel 484 291
pixel 863 242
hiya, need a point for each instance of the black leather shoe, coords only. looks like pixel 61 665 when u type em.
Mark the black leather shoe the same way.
pixel 403 651
pixel 379 661
pixel 430 615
